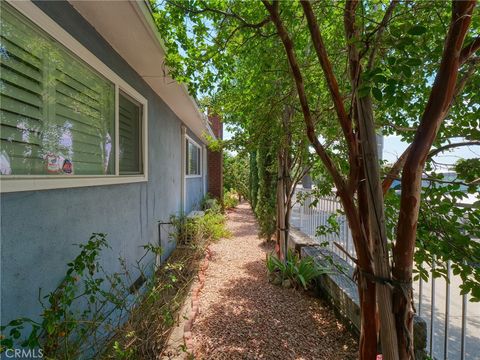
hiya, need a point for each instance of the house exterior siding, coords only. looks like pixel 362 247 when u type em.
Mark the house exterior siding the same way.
pixel 39 228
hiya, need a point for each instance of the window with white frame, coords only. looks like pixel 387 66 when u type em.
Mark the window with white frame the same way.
pixel 193 158
pixel 130 134
pixel 58 116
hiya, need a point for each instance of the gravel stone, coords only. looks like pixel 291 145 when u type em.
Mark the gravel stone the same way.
pixel 243 316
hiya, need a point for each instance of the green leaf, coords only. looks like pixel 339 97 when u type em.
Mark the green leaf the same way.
pixel 377 94
pixel 302 280
pixel 414 62
pixel 363 91
pixel 7 343
pixel 379 78
pixel 390 90
pixel 417 30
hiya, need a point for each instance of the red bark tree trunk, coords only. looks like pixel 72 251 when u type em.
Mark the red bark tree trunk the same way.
pixel 435 111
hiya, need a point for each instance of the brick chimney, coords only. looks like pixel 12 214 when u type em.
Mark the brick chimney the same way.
pixel 215 161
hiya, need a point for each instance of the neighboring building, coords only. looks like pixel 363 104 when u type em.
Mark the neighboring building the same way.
pixel 307 181
pixel 94 138
pixel 215 161
pixel 380 146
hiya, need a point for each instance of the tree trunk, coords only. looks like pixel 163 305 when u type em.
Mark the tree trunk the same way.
pixel 369 187
pixel 376 214
pixel 368 313
pixel 287 168
pixel 366 287
pixel 437 106
pixel 281 243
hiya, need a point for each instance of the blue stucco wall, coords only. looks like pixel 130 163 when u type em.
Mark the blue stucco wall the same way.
pixel 39 228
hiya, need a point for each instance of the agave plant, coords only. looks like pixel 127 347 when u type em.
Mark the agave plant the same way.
pixel 300 271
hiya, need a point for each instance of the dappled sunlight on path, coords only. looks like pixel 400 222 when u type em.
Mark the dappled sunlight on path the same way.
pixel 243 316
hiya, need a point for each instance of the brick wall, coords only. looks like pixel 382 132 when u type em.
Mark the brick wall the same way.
pixel 215 161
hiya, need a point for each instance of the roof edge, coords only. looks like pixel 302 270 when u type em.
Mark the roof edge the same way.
pixel 146 11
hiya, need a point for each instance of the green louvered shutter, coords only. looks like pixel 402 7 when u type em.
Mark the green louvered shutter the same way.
pixel 83 115
pixel 51 105
pixel 22 112
pixel 129 132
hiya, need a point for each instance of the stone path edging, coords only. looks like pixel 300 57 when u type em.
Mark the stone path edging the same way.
pixel 187 329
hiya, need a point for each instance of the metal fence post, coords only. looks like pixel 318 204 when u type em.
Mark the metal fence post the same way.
pixel 432 309
pixel 420 295
pixel 301 215
pixel 447 312
pixel 464 327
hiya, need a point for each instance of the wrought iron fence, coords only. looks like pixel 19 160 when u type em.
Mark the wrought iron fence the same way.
pixel 453 323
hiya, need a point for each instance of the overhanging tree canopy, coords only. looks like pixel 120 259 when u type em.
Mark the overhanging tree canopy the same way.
pixel 356 69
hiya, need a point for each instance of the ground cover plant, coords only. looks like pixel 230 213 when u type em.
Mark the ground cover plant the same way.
pixel 294 271
pixel 230 199
pixel 125 315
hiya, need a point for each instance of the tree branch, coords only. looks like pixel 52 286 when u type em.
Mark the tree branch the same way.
pixel 469 50
pixel 397 167
pixel 345 121
pixel 443 148
pixel 370 196
pixel 298 78
pixel 465 77
pixel 380 31
pixel 352 35
pixel 235 16
pixel 395 171
pixel 437 107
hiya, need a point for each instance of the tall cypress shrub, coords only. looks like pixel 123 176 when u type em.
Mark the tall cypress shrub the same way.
pixel 253 183
pixel 267 181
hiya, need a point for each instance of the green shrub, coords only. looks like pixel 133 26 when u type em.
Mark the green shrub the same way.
pixel 212 226
pixel 209 227
pixel 265 209
pixel 230 199
pixel 85 314
pixel 185 229
pixel 236 170
pixel 64 331
pixel 253 180
pixel 210 203
pixel 299 272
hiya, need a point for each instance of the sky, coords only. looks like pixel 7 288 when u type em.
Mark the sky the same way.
pixel 393 148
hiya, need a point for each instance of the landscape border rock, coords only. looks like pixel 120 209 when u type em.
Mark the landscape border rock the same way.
pixel 187 330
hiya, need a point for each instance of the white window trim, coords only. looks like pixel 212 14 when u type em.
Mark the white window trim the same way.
pixel 204 169
pixel 188 138
pixel 183 170
pixel 16 183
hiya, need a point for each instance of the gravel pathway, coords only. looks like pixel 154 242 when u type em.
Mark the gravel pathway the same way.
pixel 243 316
